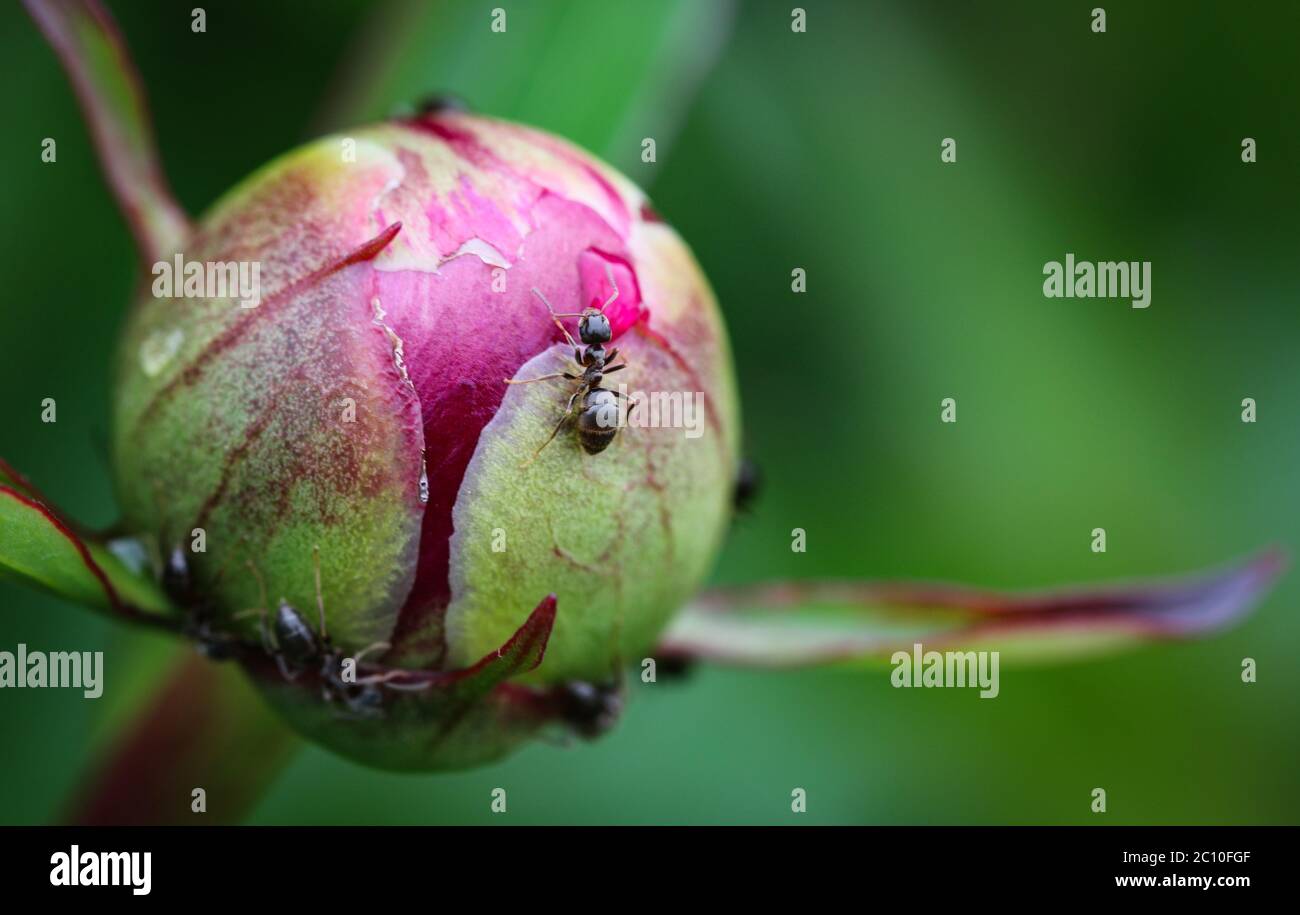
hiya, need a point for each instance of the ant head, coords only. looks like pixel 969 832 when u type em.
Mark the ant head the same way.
pixel 594 328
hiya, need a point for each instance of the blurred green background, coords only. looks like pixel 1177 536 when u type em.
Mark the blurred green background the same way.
pixel 780 150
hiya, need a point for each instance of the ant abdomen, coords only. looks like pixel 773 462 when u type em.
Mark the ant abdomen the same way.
pixel 598 421
pixel 293 637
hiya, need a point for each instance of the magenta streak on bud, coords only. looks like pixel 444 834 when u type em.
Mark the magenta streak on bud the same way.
pixel 364 252
pixel 482 336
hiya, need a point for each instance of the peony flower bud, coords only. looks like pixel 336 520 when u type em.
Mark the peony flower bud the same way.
pixel 381 476
pixel 360 406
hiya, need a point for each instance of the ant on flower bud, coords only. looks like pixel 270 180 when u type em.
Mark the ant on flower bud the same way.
pixel 177 581
pixel 589 709
pixel 749 480
pixel 597 416
pixel 298 650
pixel 438 102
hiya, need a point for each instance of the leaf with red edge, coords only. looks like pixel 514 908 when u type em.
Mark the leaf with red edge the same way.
pixel 521 653
pixel 15 480
pixel 42 548
pixel 428 720
pixel 820 622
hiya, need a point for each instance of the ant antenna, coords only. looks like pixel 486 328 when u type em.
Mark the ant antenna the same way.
pixel 556 317
pixel 320 600
pixel 221 570
pixel 568 412
pixel 376 646
pixel 262 611
pixel 609 275
pixel 386 679
pixel 261 584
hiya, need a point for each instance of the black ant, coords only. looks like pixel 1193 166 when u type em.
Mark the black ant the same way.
pixel 177 582
pixel 589 709
pixel 439 102
pixel 298 650
pixel 749 480
pixel 597 420
pixel 674 667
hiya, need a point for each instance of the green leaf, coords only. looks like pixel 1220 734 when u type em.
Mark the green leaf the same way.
pixel 40 547
pixel 820 622
pixel 108 89
pixel 603 75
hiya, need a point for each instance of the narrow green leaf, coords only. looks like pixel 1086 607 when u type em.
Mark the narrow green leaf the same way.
pixel 87 42
pixel 820 622
pixel 39 547
pixel 604 75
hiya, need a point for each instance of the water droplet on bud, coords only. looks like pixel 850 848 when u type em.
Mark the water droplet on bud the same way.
pixel 157 350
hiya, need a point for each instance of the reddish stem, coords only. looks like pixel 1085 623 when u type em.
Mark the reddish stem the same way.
pixel 89 46
pixel 204 728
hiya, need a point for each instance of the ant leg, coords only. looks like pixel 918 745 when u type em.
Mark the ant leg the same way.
pixel 631 406
pixel 550 377
pixel 261 583
pixel 609 275
pixel 386 680
pixel 383 678
pixel 266 634
pixel 284 668
pixel 568 411
pixel 615 368
pixel 320 600
pixel 555 318
pixel 550 438
pixel 263 630
pixel 376 646
pixel 262 611
pixel 261 627
pixel 613 354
